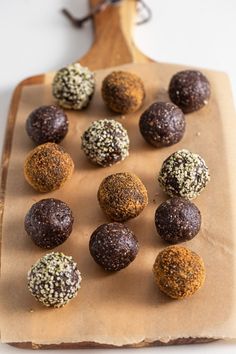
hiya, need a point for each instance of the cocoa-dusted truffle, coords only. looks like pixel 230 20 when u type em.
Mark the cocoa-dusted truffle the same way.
pixel 123 92
pixel 122 196
pixel 105 142
pixel 179 272
pixel 177 220
pixel 189 90
pixel 162 124
pixel 73 86
pixel 49 223
pixel 48 167
pixel 184 174
pixel 54 279
pixel 113 246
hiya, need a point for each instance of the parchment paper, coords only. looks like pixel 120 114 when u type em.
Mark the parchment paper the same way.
pixel 125 307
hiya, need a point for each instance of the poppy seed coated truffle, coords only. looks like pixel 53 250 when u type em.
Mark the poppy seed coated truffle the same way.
pixel 113 246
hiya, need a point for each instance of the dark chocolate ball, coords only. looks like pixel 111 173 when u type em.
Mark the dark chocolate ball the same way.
pixel 162 124
pixel 113 246
pixel 177 220
pixel 189 90
pixel 47 124
pixel 49 223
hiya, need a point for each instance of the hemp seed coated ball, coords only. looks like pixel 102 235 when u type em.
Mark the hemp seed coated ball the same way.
pixel 177 220
pixel 49 223
pixel 189 90
pixel 105 142
pixel 184 174
pixel 54 279
pixel 113 246
pixel 48 167
pixel 179 272
pixel 122 196
pixel 73 86
pixel 162 124
pixel 123 92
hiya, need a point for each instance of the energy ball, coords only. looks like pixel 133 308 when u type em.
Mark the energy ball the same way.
pixel 162 124
pixel 105 142
pixel 113 246
pixel 184 174
pixel 73 86
pixel 49 223
pixel 177 220
pixel 190 90
pixel 48 167
pixel 179 272
pixel 47 124
pixel 123 92
pixel 54 279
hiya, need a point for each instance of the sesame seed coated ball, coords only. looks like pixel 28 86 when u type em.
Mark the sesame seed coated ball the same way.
pixel 54 279
pixel 179 272
pixel 73 86
pixel 184 174
pixel 105 142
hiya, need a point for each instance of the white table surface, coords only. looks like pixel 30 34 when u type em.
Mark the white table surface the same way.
pixel 36 38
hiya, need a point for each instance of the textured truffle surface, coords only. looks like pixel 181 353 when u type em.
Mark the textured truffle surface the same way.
pixel 189 90
pixel 162 124
pixel 122 196
pixel 73 86
pixel 105 142
pixel 49 223
pixel 184 174
pixel 113 246
pixel 48 167
pixel 47 124
pixel 177 220
pixel 179 272
pixel 54 279
pixel 123 92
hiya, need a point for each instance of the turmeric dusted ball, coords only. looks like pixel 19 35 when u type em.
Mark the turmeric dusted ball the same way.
pixel 122 196
pixel 48 167
pixel 123 92
pixel 179 272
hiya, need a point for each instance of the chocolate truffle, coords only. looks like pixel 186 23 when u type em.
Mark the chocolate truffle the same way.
pixel 184 174
pixel 49 223
pixel 47 124
pixel 48 167
pixel 105 142
pixel 179 272
pixel 54 279
pixel 113 246
pixel 122 196
pixel 162 124
pixel 123 92
pixel 189 90
pixel 177 220
pixel 73 86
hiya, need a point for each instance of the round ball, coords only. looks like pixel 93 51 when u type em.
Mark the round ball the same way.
pixel 177 220
pixel 113 246
pixel 54 279
pixel 105 142
pixel 189 90
pixel 122 196
pixel 48 167
pixel 47 124
pixel 179 272
pixel 123 92
pixel 49 223
pixel 184 174
pixel 162 124
pixel 73 86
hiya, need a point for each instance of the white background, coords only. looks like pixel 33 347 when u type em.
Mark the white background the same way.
pixel 36 38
